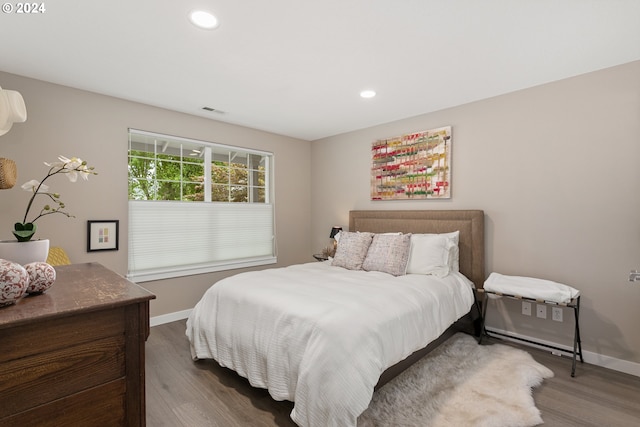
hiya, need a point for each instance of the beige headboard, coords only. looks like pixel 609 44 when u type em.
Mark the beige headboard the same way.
pixel 470 223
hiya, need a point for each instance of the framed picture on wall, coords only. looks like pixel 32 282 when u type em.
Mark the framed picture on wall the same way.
pixel 415 166
pixel 102 235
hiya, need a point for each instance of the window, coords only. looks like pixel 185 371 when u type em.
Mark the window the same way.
pixel 197 207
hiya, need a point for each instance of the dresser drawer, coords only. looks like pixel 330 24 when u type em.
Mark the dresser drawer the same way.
pixel 44 377
pixel 99 406
pixel 52 334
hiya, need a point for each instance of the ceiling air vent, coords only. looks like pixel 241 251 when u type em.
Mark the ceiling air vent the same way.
pixel 212 110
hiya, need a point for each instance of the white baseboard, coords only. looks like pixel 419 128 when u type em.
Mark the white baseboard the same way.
pixel 170 317
pixel 631 368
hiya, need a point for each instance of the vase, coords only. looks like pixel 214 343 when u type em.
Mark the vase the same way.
pixel 24 252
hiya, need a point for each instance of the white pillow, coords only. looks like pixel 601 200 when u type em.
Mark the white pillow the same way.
pixel 435 254
pixel 454 250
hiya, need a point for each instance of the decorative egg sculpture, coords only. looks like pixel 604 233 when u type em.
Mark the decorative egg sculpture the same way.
pixel 41 277
pixel 14 280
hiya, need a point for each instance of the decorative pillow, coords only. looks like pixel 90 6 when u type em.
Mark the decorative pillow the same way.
pixel 352 249
pixel 430 254
pixel 388 253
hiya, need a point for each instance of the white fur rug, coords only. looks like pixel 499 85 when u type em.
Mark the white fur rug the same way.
pixel 461 384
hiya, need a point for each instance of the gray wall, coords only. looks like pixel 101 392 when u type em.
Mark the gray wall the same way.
pixel 71 122
pixel 556 170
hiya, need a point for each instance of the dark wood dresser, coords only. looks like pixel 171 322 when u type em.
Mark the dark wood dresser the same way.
pixel 74 356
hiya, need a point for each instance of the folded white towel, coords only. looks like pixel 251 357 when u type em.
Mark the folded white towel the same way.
pixel 530 287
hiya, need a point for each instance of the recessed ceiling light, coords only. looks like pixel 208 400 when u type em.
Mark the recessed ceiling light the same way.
pixel 368 93
pixel 203 19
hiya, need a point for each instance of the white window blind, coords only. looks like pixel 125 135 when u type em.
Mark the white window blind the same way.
pixel 171 238
pixel 197 207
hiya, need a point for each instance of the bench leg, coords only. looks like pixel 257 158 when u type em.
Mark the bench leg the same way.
pixel 577 344
pixel 483 316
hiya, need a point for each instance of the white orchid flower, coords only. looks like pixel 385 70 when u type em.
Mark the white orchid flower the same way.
pixel 84 172
pixel 82 168
pixel 71 163
pixel 72 175
pixel 33 185
pixel 70 167
pixel 73 167
pixel 54 164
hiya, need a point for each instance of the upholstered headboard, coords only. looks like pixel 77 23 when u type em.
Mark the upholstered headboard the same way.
pixel 470 223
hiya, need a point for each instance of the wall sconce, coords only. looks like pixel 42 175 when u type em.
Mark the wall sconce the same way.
pixel 12 109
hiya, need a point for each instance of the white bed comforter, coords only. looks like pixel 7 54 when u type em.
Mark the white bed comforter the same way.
pixel 321 336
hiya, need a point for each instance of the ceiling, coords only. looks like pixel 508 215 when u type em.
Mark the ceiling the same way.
pixel 296 67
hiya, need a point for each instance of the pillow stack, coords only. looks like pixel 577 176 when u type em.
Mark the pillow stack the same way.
pixel 398 254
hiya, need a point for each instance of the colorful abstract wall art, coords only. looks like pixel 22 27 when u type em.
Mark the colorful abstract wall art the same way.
pixel 413 166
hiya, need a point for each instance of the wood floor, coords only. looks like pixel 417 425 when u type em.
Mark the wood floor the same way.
pixel 181 392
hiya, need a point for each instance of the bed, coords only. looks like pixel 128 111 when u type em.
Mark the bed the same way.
pixel 324 336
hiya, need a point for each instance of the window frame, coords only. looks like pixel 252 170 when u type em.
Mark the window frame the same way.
pixel 164 209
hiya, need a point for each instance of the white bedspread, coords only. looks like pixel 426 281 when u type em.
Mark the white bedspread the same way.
pixel 320 336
